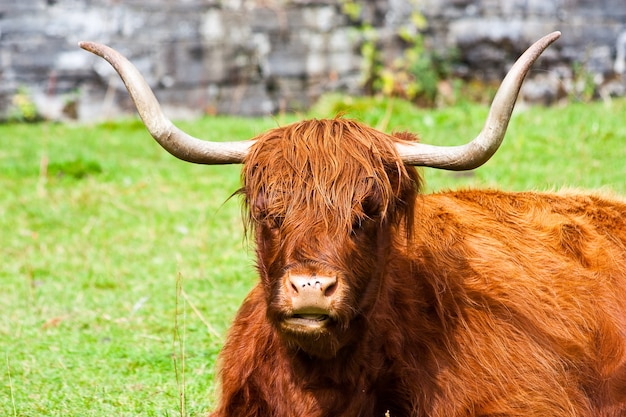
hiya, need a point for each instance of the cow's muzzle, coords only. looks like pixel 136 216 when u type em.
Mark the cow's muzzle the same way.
pixel 311 299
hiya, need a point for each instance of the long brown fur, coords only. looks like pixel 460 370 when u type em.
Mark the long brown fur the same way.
pixel 468 303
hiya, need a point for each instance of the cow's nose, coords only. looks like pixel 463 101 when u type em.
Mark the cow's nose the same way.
pixel 311 291
pixel 315 284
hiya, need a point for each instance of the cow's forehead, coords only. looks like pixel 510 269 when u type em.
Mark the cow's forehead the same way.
pixel 323 171
pixel 321 153
pixel 330 168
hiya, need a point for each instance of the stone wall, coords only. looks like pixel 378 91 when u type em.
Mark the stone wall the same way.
pixel 262 56
pixel 490 33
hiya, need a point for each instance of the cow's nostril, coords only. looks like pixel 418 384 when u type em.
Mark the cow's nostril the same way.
pixel 330 290
pixel 325 286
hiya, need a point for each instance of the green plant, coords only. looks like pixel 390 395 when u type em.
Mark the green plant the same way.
pixel 583 85
pixel 368 38
pixel 23 108
pixel 415 74
pixel 77 168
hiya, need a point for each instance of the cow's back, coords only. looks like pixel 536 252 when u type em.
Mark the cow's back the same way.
pixel 532 293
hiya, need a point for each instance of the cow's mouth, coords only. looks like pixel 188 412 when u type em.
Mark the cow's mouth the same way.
pixel 310 321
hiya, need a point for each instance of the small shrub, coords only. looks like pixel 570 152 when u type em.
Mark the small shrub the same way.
pixel 23 108
pixel 76 169
pixel 414 75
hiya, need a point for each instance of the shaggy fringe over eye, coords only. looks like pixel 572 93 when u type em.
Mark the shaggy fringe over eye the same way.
pixel 328 169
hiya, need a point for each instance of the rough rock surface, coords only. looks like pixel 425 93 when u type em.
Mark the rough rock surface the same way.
pixel 255 57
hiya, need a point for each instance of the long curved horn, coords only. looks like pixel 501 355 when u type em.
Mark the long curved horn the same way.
pixel 174 140
pixel 478 151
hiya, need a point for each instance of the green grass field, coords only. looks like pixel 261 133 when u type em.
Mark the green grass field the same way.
pixel 122 267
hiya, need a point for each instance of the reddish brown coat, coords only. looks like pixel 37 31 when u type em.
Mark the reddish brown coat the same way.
pixel 469 303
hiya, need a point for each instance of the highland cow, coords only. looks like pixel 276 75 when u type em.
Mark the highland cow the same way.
pixel 375 299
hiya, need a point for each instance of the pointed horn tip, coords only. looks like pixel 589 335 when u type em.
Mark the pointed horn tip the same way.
pixel 96 48
pixel 85 44
pixel 553 36
pixel 89 46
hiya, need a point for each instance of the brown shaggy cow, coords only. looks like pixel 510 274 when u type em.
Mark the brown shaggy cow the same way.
pixel 377 300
